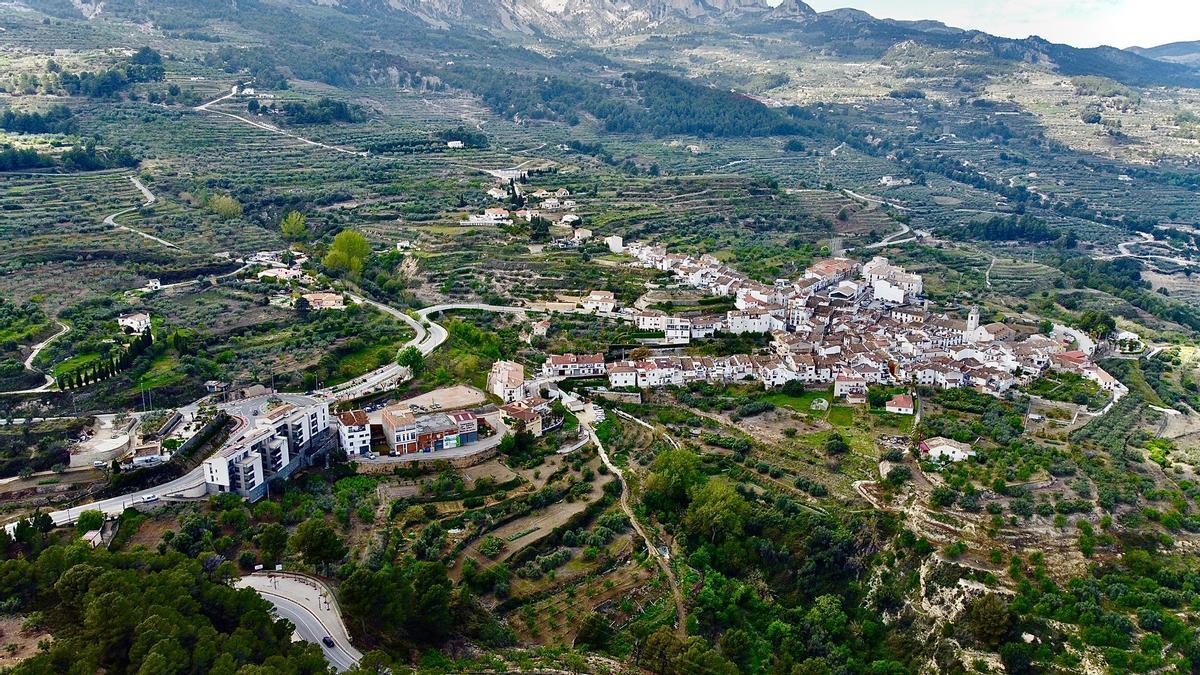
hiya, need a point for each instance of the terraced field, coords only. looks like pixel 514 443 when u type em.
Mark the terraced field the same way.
pixel 1015 277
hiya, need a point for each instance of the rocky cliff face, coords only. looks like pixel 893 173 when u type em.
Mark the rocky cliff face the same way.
pixel 594 18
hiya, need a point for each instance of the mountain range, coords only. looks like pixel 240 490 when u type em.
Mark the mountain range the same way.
pixel 1187 53
pixel 847 32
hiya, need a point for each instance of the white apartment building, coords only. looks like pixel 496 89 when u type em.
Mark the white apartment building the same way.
pixel 354 432
pixel 275 446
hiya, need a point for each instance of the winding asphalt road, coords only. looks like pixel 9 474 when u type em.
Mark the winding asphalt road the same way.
pixel 310 605
pixel 37 349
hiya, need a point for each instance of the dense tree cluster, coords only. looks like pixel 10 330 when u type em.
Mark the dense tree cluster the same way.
pixel 1122 277
pixel 671 105
pixel 58 119
pixel 1017 228
pixel 86 157
pixel 468 137
pixel 323 111
pixel 143 612
pixel 646 103
pixel 347 253
pixel 144 66
pixel 804 612
pixel 400 605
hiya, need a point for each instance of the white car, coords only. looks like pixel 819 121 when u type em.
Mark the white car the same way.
pixel 150 498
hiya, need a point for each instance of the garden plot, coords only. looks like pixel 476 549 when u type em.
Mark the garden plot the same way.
pixel 492 469
pixel 532 528
pixel 623 593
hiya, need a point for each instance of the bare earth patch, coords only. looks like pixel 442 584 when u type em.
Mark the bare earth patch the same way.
pixel 25 642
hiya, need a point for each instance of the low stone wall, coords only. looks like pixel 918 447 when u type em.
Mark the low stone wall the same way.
pixel 461 462
pixel 622 396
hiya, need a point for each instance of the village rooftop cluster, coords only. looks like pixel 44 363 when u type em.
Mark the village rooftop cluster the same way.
pixel 843 323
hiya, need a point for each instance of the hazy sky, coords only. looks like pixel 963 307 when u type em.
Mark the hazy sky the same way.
pixel 1082 23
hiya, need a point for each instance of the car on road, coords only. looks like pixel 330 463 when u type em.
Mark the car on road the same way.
pixel 328 642
pixel 149 498
pixel 99 464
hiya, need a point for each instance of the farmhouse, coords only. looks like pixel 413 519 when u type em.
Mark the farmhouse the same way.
pixel 323 300
pixel 901 404
pixel 599 301
pixel 282 274
pixel 507 381
pixel 134 323
pixel 941 449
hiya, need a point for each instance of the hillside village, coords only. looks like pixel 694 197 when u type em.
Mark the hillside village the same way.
pixel 842 323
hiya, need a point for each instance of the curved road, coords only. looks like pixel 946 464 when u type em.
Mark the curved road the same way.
pixel 310 605
pixel 1145 238
pixel 37 349
pixel 111 221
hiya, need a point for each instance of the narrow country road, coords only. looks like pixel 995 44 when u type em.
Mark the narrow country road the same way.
pixel 663 563
pixel 37 349
pixel 111 221
pixel 1145 238
pixel 205 107
pixel 878 201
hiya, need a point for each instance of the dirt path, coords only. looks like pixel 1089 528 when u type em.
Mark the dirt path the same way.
pixel 663 563
pixel 206 107
pixel 111 221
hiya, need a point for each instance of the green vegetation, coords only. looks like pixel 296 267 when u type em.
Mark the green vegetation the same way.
pixel 787 545
pixel 348 253
pixel 322 111
pixel 57 120
pixel 1069 388
pixel 142 611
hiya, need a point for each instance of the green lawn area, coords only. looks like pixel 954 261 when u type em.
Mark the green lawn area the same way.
pixel 841 415
pixel 901 423
pixel 74 363
pixel 802 403
pixel 370 357
pixel 20 332
pixel 164 371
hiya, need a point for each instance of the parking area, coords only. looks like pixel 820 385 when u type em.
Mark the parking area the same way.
pixel 449 398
